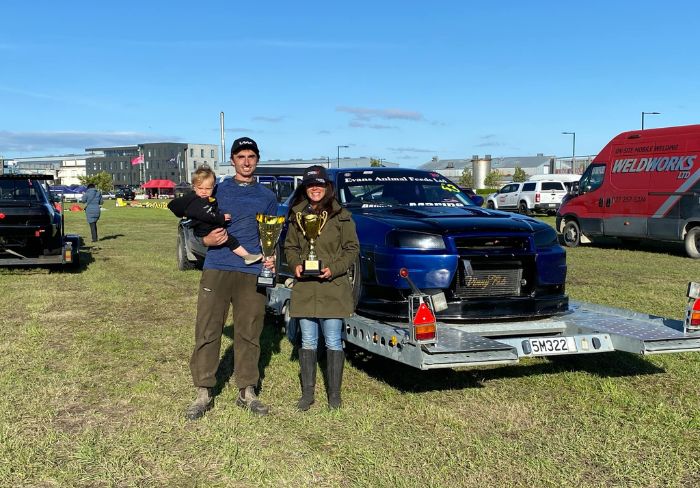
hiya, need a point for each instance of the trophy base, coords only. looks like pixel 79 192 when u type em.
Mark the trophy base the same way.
pixel 311 267
pixel 266 281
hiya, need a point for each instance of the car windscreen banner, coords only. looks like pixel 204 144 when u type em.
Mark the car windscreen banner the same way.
pixel 381 189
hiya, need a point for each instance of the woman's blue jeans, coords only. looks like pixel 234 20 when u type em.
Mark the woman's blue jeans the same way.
pixel 331 332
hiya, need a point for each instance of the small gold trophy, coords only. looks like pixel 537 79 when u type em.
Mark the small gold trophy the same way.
pixel 311 226
pixel 269 228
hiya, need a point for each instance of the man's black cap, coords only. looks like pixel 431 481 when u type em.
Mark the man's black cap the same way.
pixel 315 175
pixel 244 143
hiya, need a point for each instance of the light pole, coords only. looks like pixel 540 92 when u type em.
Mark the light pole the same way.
pixel 648 113
pixel 573 150
pixel 338 161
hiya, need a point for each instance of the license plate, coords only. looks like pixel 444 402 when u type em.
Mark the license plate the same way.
pixel 548 346
pixel 552 205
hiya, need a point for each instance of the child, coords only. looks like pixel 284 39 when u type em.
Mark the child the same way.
pixel 202 209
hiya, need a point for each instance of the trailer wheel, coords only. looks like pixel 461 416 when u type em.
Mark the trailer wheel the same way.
pixel 522 208
pixel 692 243
pixel 572 233
pixel 183 264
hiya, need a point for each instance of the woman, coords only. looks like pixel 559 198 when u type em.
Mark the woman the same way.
pixel 326 299
pixel 92 200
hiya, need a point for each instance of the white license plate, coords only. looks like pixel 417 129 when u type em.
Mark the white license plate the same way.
pixel 552 204
pixel 548 346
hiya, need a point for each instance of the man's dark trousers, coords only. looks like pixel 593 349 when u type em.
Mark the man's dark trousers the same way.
pixel 217 291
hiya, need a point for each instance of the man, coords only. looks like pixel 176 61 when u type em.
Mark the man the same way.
pixel 228 281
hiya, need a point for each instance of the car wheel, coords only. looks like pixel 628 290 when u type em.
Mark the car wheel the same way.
pixel 522 208
pixel 490 205
pixel 183 264
pixel 572 234
pixel 355 276
pixel 692 243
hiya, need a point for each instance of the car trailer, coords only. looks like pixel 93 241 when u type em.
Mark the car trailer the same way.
pixel 585 329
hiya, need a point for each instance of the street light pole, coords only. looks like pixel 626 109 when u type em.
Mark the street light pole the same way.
pixel 573 150
pixel 338 161
pixel 648 113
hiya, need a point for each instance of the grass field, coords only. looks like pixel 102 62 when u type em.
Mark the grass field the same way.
pixel 95 379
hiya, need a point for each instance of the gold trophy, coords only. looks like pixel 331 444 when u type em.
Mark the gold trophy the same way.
pixel 311 226
pixel 269 228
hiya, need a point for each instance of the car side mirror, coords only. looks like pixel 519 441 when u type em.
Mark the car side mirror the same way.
pixel 477 199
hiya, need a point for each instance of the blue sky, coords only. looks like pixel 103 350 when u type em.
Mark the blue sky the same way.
pixel 398 80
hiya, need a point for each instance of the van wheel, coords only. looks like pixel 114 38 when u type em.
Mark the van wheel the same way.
pixel 522 208
pixel 490 205
pixel 692 243
pixel 572 234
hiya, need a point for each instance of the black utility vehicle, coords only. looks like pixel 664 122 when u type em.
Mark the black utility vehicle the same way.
pixel 125 192
pixel 31 228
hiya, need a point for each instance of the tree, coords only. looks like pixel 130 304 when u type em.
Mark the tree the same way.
pixel 493 179
pixel 519 174
pixel 467 179
pixel 102 181
pixel 375 163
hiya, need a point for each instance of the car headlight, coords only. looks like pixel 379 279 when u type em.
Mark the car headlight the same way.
pixel 414 240
pixel 546 237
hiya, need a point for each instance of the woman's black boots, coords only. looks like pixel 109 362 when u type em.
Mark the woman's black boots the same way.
pixel 336 362
pixel 307 365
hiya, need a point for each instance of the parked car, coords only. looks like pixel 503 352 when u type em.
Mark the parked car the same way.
pixel 488 264
pixel 125 193
pixel 506 198
pixel 529 197
pixel 31 227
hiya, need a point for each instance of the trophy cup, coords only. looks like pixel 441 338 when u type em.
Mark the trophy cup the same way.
pixel 269 228
pixel 311 226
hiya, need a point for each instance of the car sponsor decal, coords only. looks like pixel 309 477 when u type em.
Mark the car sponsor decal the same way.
pixel 673 199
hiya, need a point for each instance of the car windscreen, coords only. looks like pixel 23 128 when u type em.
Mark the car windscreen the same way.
pixel 369 189
pixel 18 190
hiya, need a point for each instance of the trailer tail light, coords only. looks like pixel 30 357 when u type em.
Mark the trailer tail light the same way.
pixel 692 315
pixel 68 253
pixel 537 197
pixel 420 313
pixel 424 324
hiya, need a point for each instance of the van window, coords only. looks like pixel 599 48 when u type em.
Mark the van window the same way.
pixel 552 185
pixel 592 178
pixel 529 186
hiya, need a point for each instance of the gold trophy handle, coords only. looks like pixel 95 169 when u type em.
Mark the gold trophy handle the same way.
pixel 300 219
pixel 324 218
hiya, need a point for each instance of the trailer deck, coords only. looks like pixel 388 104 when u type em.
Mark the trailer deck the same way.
pixel 586 329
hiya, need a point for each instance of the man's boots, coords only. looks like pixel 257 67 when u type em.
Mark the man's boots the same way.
pixel 307 366
pixel 249 400
pixel 201 404
pixel 335 361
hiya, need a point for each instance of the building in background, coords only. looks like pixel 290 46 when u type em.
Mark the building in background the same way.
pixel 327 162
pixel 482 166
pixel 135 165
pixel 65 170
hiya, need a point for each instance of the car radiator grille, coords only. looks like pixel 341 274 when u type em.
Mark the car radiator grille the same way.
pixel 465 245
pixel 489 281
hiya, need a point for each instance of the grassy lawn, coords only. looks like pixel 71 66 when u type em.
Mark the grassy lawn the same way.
pixel 95 379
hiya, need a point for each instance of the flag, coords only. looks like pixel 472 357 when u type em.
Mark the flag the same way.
pixel 137 160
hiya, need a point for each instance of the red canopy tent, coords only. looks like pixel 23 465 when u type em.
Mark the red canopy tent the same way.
pixel 158 186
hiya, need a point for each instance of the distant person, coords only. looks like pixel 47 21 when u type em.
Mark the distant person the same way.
pixel 200 206
pixel 321 301
pixel 227 282
pixel 92 198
